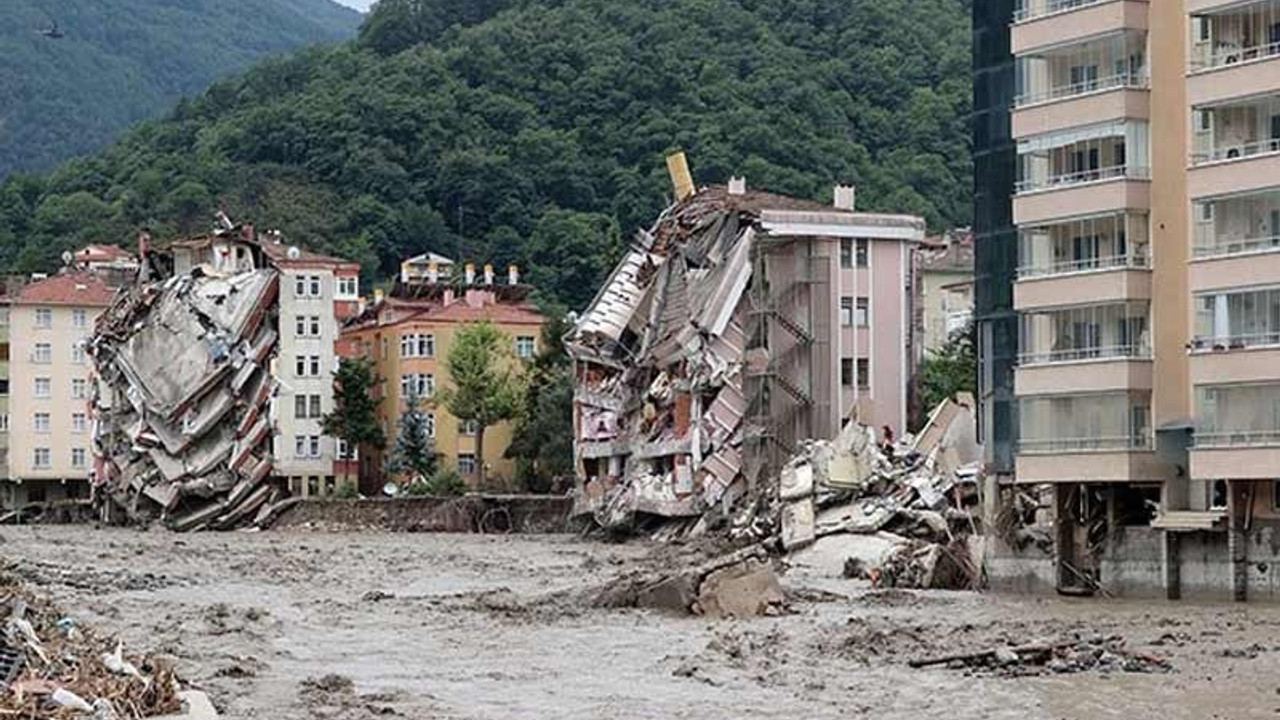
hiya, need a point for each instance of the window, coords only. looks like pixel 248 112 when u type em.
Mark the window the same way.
pixel 4 422
pixel 41 458
pixel 307 366
pixel 43 354
pixel 306 286
pixel 846 311
pixel 846 252
pixel 430 423
pixel 77 353
pixel 307 407
pixel 306 446
pixel 846 372
pixel 1218 495
pixel 44 388
pixel 78 458
pixel 79 389
pixel 80 318
pixel 466 463
pixel 79 422
pixel 418 346
pixel 307 326
pixel 348 287
pixel 525 345
pixel 862 315
pixel 421 384
pixel 864 372
pixel 469 427
pixel 44 318
pixel 346 452
pixel 863 252
pixel 41 423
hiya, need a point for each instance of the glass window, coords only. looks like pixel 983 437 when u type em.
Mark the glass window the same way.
pixel 427 346
pixel 43 387
pixel 300 286
pixel 846 311
pixel 42 458
pixel 78 458
pixel 315 286
pixel 313 445
pixel 1096 422
pixel 300 406
pixel 467 464
pixel 79 318
pixel 468 427
pixel 846 252
pixel 525 345
pixel 43 353
pixel 864 250
pixel 314 365
pixel 863 314
pixel 79 422
pixel 430 423
pixel 79 388
pixel 846 372
pixel 315 407
pixel 41 423
pixel 864 373
pixel 44 318
pixel 78 353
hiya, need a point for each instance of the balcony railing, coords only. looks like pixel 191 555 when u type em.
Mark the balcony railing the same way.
pixel 1235 438
pixel 1140 352
pixel 1032 9
pixel 1125 80
pixel 1111 262
pixel 1095 444
pixel 1238 151
pixel 1238 246
pixel 1230 55
pixel 1083 177
pixel 1235 342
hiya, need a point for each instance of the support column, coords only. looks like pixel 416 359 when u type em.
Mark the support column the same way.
pixel 1172 565
pixel 1237 548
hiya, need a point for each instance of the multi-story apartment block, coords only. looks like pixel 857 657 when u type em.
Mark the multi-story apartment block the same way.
pixel 944 288
pixel 1143 144
pixel 317 293
pixel 49 435
pixel 408 337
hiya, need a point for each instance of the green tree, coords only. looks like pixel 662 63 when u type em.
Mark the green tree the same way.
pixel 542 443
pixel 355 413
pixel 484 389
pixel 414 453
pixel 952 369
pixel 571 253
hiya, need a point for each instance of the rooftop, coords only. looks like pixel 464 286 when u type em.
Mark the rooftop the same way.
pixel 78 289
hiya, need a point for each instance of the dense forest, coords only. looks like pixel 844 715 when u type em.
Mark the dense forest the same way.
pixel 534 131
pixel 111 63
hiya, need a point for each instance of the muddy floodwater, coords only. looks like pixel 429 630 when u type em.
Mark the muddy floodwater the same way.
pixel 301 625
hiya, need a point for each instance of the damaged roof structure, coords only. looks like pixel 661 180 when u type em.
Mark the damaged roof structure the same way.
pixel 723 339
pixel 183 404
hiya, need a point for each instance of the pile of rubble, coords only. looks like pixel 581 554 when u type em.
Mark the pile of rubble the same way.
pixel 900 516
pixel 1074 655
pixel 183 399
pixel 52 668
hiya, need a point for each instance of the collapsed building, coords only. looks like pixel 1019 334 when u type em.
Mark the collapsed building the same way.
pixel 741 324
pixel 210 369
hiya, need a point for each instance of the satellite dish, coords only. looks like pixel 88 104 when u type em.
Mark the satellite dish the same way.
pixel 293 253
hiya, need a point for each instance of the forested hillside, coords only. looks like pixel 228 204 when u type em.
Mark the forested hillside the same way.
pixel 111 63
pixel 534 131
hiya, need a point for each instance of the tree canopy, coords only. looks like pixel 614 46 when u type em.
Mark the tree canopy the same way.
pixel 483 388
pixel 121 61
pixel 534 131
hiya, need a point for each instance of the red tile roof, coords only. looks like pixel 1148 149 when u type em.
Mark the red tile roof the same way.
pixel 79 289
pixel 402 311
pixel 102 253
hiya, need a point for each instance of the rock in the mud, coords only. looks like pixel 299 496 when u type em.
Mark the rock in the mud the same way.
pixel 677 593
pixel 1006 657
pixel 748 589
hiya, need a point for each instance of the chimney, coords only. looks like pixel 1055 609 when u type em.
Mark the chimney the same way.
pixel 377 296
pixel 513 275
pixel 488 274
pixel 681 179
pixel 845 196
pixel 433 272
pixel 471 273
pixel 737 185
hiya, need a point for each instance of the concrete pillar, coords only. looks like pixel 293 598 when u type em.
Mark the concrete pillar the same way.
pixel 1237 548
pixel 1172 566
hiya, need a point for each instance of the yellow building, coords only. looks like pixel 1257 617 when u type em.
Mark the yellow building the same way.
pixel 408 337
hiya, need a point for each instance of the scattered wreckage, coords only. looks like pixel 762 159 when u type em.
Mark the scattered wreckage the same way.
pixel 183 428
pixel 50 667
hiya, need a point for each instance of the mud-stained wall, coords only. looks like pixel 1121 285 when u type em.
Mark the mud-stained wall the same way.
pixel 488 514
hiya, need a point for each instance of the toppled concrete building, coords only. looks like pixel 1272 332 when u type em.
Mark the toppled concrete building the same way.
pixel 740 325
pixel 195 403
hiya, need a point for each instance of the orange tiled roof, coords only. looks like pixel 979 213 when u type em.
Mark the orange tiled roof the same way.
pixel 79 289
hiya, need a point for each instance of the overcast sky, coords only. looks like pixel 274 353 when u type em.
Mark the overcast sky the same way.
pixel 360 5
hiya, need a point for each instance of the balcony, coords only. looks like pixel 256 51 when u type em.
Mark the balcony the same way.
pixel 1109 372
pixel 1098 437
pixel 1237 320
pixel 1117 60
pixel 1082 172
pixel 1087 333
pixel 1233 51
pixel 1237 431
pixel 1245 224
pixel 1040 23
pixel 1132 101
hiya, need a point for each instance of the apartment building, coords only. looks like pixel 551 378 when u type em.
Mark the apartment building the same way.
pixel 1128 228
pixel 408 336
pixel 944 288
pixel 317 294
pixel 741 324
pixel 49 429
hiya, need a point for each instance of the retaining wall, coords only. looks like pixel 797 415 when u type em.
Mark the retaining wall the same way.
pixel 471 513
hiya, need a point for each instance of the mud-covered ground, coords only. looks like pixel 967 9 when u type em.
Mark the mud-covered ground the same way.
pixel 296 625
